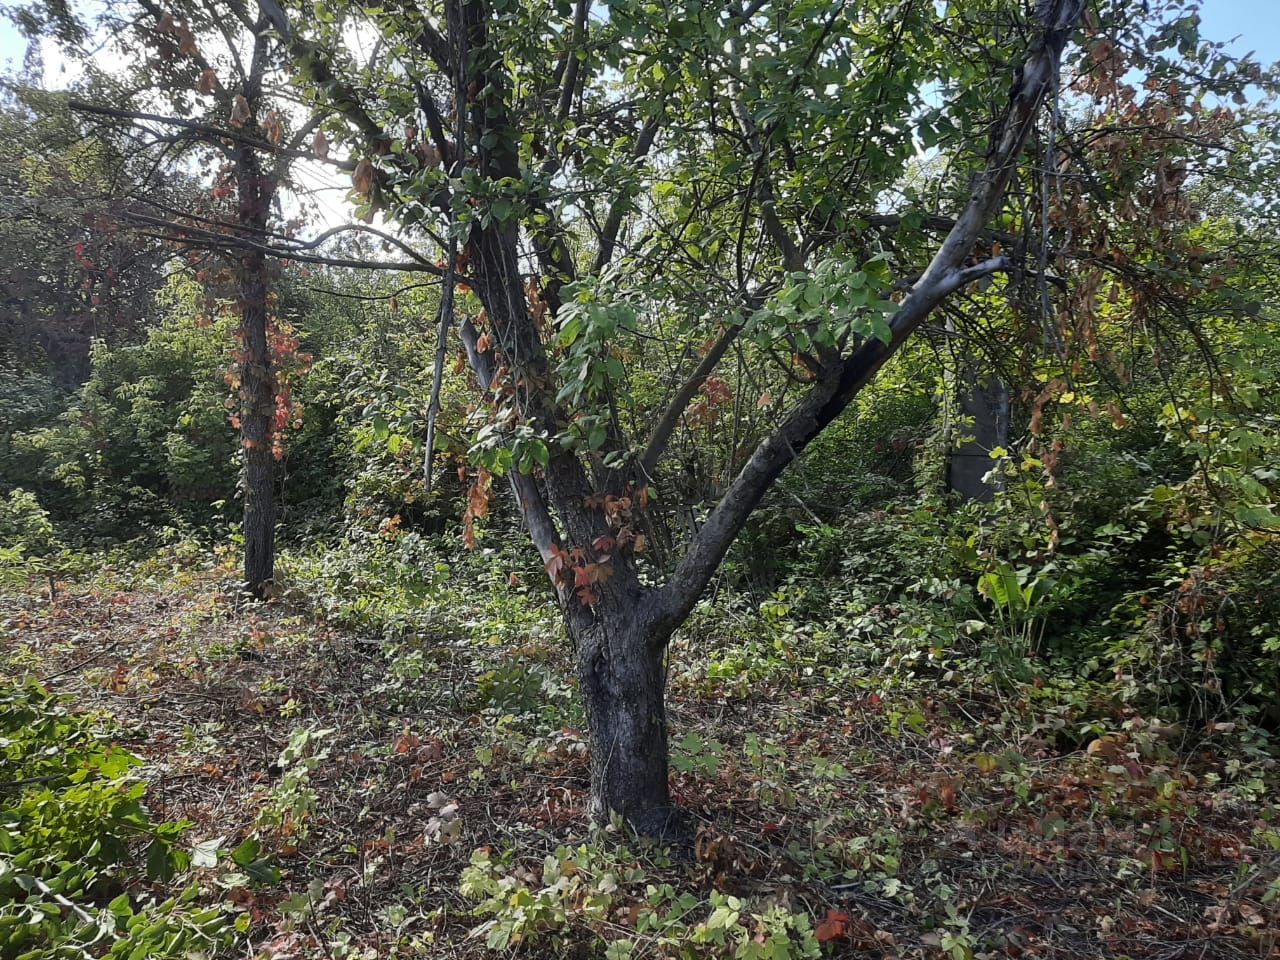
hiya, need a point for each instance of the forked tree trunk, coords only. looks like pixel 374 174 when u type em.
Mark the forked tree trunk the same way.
pixel 618 644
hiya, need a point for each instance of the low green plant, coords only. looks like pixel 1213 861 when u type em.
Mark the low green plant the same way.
pixel 291 803
pixel 695 754
pixel 76 841
pixel 28 543
pixel 580 888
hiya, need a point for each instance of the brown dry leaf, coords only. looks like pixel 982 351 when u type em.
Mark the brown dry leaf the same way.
pixel 1250 914
pixel 362 177
pixel 320 145
pixel 406 742
pixel 208 82
pixel 187 42
pixel 240 112
pixel 273 125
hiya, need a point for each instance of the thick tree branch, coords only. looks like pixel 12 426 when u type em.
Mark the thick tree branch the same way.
pixel 342 97
pixel 529 500
pixel 946 273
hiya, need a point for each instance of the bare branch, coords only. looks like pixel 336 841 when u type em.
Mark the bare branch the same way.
pixel 205 130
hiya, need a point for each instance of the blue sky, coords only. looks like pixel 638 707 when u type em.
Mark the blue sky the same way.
pixel 1255 22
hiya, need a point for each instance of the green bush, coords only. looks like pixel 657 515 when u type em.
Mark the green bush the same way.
pixel 146 438
pixel 76 841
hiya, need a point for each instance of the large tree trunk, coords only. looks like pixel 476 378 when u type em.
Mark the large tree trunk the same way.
pixel 621 671
pixel 257 386
pixel 617 640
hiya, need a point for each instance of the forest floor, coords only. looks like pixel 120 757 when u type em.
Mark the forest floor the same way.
pixel 922 821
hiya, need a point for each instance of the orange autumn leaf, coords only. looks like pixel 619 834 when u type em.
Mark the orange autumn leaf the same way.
pixel 362 177
pixel 832 928
pixel 407 742
pixel 273 126
pixel 240 112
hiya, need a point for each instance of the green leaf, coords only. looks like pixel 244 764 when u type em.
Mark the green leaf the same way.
pixel 247 852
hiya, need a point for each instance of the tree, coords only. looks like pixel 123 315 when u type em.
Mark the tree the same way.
pixel 224 237
pixel 532 162
pixel 219 96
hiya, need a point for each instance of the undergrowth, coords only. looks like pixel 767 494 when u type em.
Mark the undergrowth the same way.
pixel 388 759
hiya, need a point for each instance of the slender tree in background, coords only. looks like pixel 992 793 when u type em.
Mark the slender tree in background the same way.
pixel 222 63
pixel 224 239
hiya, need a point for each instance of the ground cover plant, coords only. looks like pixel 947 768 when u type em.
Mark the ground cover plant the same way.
pixel 374 764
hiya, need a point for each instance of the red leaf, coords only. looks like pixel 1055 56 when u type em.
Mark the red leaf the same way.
pixel 948 796
pixel 555 565
pixel 406 742
pixel 832 928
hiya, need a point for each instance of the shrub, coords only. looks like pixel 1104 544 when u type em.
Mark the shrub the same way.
pixel 75 839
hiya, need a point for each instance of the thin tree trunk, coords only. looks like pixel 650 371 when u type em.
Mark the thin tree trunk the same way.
pixel 257 387
pixel 257 409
